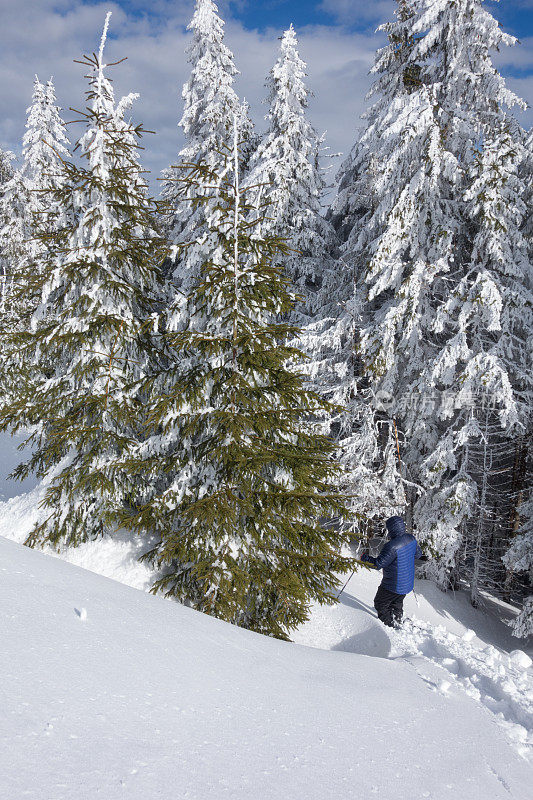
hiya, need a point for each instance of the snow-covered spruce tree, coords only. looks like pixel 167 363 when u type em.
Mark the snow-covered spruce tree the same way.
pixel 6 166
pixel 18 248
pixel 519 559
pixel 238 481
pixel 24 204
pixel 411 248
pixel 485 363
pixel 286 175
pixel 6 173
pixel 396 219
pixel 523 625
pixel 15 238
pixel 45 142
pixel 210 106
pixel 455 41
pixel 89 338
pixel 404 244
pixel 473 341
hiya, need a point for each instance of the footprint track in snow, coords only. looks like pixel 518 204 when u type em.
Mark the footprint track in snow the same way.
pixel 491 678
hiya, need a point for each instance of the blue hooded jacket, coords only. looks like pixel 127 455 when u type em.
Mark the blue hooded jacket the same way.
pixel 397 558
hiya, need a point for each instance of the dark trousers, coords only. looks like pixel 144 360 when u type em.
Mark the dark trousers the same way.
pixel 389 606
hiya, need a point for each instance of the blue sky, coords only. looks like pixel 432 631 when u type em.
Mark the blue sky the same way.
pixel 280 13
pixel 515 15
pixel 363 15
pixel 337 40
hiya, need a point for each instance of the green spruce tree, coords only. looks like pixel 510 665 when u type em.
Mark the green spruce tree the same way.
pixel 79 353
pixel 238 482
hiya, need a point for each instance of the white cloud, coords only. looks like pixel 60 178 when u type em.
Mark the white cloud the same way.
pixel 519 57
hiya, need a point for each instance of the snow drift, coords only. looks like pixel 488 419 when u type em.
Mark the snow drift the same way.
pixel 107 691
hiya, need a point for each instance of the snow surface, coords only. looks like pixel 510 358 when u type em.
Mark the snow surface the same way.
pixel 448 642
pixel 109 692
pixel 115 557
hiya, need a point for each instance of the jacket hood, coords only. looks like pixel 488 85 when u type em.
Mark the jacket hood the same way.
pixel 395 526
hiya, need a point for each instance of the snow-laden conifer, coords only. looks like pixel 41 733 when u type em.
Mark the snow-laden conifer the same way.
pixel 210 106
pixel 237 480
pixel 210 102
pixel 396 219
pixel 523 625
pixel 484 364
pixel 475 366
pixel 16 238
pixel 25 200
pixel 405 241
pixel 402 213
pixel 519 559
pixel 90 334
pixel 45 141
pixel 286 173
pixel 6 173
pixel 6 166
pixel 455 41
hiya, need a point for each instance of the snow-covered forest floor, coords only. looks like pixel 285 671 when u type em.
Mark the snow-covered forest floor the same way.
pixel 111 692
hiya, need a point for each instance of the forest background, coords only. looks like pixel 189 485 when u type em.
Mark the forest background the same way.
pixel 432 220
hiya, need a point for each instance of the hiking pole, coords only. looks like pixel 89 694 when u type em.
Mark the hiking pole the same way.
pixel 351 576
pixel 348 581
pixel 346 584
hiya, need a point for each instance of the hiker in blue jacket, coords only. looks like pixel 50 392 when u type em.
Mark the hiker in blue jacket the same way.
pixel 397 560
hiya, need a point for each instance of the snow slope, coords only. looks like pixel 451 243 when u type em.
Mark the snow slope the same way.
pixel 453 647
pixel 109 692
pixel 115 557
